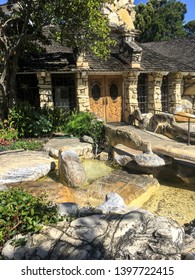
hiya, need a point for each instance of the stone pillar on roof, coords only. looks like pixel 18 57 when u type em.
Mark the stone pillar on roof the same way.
pixel 176 85
pixel 121 13
pixel 130 93
pixel 83 103
pixel 82 62
pixel 154 91
pixel 45 89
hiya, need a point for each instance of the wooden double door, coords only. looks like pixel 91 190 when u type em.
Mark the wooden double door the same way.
pixel 105 94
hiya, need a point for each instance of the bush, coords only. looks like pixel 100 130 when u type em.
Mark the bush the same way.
pixel 36 122
pixel 7 132
pixel 29 121
pixel 85 123
pixel 20 212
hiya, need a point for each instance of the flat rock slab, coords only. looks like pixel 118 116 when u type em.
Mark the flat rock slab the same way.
pixel 138 139
pixel 55 144
pixel 54 191
pixel 128 186
pixel 24 166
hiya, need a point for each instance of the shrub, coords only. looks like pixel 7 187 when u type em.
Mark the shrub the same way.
pixel 20 212
pixel 7 132
pixel 85 123
pixel 29 121
pixel 36 122
pixel 57 116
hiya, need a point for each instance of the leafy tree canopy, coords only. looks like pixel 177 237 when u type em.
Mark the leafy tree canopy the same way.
pixel 80 23
pixel 190 28
pixel 160 20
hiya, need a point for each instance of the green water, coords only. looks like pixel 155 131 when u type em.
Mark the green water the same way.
pixel 95 169
pixel 173 201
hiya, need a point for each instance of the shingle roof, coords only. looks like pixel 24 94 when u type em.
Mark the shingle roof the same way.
pixel 47 61
pixel 54 57
pixel 57 57
pixel 173 55
pixel 112 64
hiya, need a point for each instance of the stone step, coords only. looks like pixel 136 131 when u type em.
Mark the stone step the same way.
pixel 81 148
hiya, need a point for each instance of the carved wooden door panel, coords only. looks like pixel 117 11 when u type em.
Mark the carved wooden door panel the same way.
pixel 105 93
pixel 97 96
pixel 113 98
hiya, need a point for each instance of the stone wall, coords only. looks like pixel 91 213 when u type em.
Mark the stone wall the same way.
pixel 175 90
pixel 130 93
pixel 45 89
pixel 188 97
pixel 82 91
pixel 154 91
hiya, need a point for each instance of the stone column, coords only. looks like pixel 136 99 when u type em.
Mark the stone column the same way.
pixel 82 91
pixel 176 85
pixel 130 93
pixel 45 89
pixel 154 91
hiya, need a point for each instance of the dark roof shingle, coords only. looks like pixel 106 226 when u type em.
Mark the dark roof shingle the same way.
pixel 173 55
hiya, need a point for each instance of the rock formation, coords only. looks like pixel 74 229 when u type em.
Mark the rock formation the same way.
pixel 104 233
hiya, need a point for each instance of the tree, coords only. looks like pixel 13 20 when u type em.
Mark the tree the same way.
pixel 190 28
pixel 160 20
pixel 80 25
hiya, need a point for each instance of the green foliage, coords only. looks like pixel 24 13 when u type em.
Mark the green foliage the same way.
pixel 160 20
pixel 85 123
pixel 31 122
pixel 26 144
pixel 82 26
pixel 57 117
pixel 20 212
pixel 7 132
pixel 190 28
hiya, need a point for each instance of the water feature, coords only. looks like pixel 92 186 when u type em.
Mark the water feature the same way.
pixel 170 198
pixel 173 201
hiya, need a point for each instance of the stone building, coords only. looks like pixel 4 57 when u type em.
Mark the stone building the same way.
pixel 151 76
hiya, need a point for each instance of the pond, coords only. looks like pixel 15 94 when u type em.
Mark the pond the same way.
pixel 169 198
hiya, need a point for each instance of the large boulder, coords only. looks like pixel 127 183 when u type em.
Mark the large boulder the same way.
pixel 134 235
pixel 71 169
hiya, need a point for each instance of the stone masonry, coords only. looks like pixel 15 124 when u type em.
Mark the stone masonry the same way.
pixel 175 89
pixel 45 89
pixel 130 93
pixel 154 91
pixel 83 91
